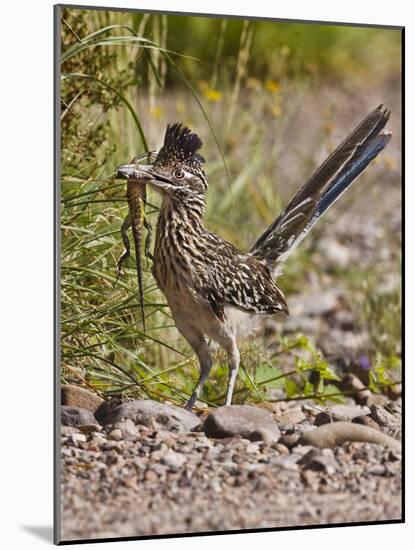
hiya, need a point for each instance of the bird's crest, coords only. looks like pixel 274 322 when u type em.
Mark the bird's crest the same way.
pixel 180 146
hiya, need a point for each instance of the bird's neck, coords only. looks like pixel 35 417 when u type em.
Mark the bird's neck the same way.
pixel 179 243
pixel 183 215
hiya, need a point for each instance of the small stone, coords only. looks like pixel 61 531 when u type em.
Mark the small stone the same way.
pixel 310 478
pixel 98 437
pixel 252 448
pixel 90 428
pixel 173 459
pixel 282 449
pixel 301 449
pixel 262 483
pixel 167 438
pixel 116 435
pixel 140 463
pixel 316 460
pixel 287 462
pixel 376 470
pixel 160 452
pixel 215 485
pixel 130 482
pixel 74 439
pixel 75 396
pixel 289 440
pixel 150 475
pixel 112 446
pixel 212 453
pixel 68 430
pixel 160 469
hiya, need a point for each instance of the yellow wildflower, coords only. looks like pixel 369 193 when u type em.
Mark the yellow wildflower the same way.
pixel 272 86
pixel 213 95
pixel 276 110
pixel 156 112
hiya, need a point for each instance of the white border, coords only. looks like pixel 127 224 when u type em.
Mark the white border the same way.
pixel 27 304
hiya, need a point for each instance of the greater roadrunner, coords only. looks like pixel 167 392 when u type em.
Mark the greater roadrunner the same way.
pixel 213 289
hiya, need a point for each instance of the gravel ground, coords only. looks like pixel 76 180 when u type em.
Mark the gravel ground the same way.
pixel 132 480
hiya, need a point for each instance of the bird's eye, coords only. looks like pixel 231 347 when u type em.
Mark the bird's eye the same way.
pixel 178 174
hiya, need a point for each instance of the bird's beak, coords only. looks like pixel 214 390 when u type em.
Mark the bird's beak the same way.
pixel 136 172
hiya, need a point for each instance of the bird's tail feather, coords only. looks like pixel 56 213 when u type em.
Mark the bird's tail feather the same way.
pixel 324 187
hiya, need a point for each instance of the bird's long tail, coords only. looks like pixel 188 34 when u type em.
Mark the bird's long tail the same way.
pixel 324 187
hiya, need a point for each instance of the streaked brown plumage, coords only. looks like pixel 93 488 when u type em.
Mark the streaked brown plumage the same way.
pixel 213 289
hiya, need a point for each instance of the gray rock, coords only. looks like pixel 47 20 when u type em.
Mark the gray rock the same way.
pixel 336 433
pixel 241 420
pixel 77 417
pixel 75 396
pixel 154 415
pixel 340 413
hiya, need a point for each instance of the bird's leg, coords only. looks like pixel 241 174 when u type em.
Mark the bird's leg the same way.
pixel 199 344
pixel 234 359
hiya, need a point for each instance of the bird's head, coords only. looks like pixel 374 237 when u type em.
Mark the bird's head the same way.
pixel 177 170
